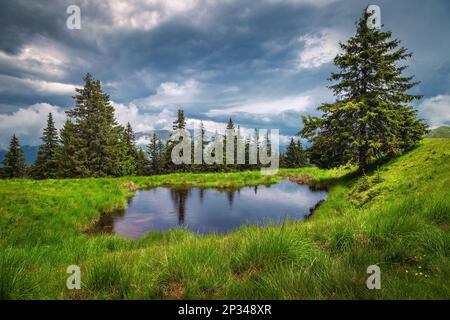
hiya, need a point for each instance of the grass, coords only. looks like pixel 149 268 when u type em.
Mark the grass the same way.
pixel 396 217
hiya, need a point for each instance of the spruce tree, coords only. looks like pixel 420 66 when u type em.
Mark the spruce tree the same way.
pixel 46 164
pixel 230 124
pixel 294 157
pixel 131 156
pixel 130 141
pixel 372 118
pixel 154 155
pixel 100 148
pixel 142 167
pixel 178 124
pixel 161 156
pixel 199 146
pixel 229 136
pixel 14 163
pixel 70 163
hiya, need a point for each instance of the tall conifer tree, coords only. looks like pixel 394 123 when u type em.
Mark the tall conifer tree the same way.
pixel 14 163
pixel 99 140
pixel 46 164
pixel 372 118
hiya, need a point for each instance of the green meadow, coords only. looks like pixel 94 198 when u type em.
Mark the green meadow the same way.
pixel 396 217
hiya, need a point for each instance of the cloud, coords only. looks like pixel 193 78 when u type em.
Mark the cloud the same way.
pixel 27 123
pixel 146 14
pixel 9 84
pixel 318 48
pixel 269 106
pixel 263 106
pixel 171 94
pixel 142 121
pixel 40 57
pixel 436 110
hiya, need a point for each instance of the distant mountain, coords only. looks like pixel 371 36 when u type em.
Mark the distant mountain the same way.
pixel 441 132
pixel 30 153
pixel 162 134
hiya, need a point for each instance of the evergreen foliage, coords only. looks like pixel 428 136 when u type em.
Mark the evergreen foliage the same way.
pixel 295 155
pixel 46 164
pixel 372 118
pixel 14 163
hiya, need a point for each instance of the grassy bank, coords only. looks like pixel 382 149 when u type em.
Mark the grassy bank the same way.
pixel 396 217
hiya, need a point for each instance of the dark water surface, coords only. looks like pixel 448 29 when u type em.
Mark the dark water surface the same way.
pixel 212 210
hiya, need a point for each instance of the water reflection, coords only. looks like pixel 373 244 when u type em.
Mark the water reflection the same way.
pixel 212 210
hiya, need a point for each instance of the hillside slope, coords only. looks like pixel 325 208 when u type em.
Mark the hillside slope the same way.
pixel 396 217
pixel 441 132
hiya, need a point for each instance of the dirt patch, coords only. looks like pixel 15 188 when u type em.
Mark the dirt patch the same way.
pixel 308 180
pixel 130 186
pixel 174 291
pixel 78 295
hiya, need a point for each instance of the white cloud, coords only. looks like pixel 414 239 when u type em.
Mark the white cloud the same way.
pixel 149 14
pixel 269 106
pixel 146 14
pixel 295 103
pixel 318 48
pixel 172 94
pixel 27 123
pixel 143 122
pixel 15 85
pixel 436 110
pixel 41 56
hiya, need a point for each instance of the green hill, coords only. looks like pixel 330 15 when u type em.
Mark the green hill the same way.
pixel 441 132
pixel 396 217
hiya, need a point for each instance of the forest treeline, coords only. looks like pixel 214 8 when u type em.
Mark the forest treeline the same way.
pixel 92 144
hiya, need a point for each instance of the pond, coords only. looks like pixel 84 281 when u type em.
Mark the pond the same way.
pixel 213 210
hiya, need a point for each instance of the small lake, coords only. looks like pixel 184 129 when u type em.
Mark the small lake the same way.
pixel 213 210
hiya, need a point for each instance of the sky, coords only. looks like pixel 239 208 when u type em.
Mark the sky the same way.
pixel 264 63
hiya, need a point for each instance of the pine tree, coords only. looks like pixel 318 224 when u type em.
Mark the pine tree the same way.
pixel 161 156
pixel 230 124
pixel 69 162
pixel 46 164
pixel 142 168
pixel 14 163
pixel 229 136
pixel 130 140
pixel 99 149
pixel 154 155
pixel 178 124
pixel 131 152
pixel 372 118
pixel 125 155
pixel 294 157
pixel 240 141
pixel 198 146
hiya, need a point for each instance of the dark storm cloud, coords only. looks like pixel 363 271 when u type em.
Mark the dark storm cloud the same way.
pixel 203 55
